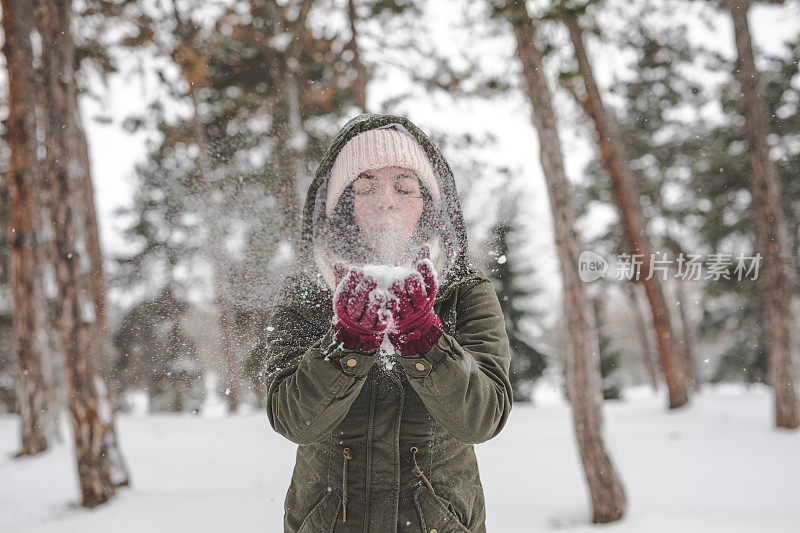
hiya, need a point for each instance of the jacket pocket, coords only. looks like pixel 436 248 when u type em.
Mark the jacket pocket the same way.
pixel 322 518
pixel 436 514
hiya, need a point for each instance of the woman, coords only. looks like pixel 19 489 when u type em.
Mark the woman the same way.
pixel 386 447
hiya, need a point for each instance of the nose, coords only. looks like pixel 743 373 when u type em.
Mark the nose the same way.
pixel 386 196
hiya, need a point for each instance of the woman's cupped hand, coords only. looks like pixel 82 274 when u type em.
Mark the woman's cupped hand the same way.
pixel 364 311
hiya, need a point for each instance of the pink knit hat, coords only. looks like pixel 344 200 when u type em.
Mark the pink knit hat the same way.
pixel 376 148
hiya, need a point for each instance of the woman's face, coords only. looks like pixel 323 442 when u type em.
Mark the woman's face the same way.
pixel 387 204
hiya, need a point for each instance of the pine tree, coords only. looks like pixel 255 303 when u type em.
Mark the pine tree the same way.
pixel 584 88
pixel 779 270
pixel 657 133
pixel 514 284
pixel 609 357
pixel 258 87
pixel 714 158
pixel 157 355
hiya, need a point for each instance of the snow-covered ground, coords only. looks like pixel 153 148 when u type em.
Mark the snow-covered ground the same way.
pixel 718 466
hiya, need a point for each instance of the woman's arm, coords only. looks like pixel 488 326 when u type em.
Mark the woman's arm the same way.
pixel 311 381
pixel 463 379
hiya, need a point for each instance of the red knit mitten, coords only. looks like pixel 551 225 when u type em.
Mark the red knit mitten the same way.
pixel 416 327
pixel 362 312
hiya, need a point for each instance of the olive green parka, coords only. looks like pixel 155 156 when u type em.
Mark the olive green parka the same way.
pixel 387 445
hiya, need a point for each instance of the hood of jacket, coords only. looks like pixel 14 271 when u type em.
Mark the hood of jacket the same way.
pixel 449 251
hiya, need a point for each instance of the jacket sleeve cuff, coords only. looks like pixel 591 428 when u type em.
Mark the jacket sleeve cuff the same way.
pixel 354 363
pixel 422 365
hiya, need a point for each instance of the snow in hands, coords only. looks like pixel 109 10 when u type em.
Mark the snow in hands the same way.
pixel 385 284
pixel 385 276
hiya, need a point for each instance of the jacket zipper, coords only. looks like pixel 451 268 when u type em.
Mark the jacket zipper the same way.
pixel 347 457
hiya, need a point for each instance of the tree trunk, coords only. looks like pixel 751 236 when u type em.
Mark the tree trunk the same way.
pixel 282 131
pixel 583 366
pixel 96 282
pixel 90 412
pixel 641 332
pixel 94 279
pixel 686 344
pixel 773 237
pixel 285 168
pixel 52 360
pixel 232 366
pixel 631 217
pixel 21 130
pixel 360 84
